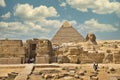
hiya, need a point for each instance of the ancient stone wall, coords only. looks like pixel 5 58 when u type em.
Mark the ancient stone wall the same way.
pixel 91 57
pixel 12 51
pixel 43 47
pixel 116 57
pixel 12 60
pixel 9 43
pixel 76 54
pixel 43 51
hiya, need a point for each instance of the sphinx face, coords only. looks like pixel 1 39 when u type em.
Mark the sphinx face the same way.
pixel 91 37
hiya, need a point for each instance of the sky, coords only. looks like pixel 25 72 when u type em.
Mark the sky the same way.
pixel 27 19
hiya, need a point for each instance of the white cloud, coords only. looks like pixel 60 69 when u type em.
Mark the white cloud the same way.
pixel 28 12
pixel 63 4
pixel 93 25
pixel 81 5
pixel 19 30
pixel 42 29
pixel 106 7
pixel 6 16
pixel 2 3
pixel 118 12
pixel 37 15
pixel 35 22
pixel 97 6
pixel 50 23
pixel 22 27
pixel 73 23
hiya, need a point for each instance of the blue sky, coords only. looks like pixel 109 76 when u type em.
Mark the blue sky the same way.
pixel 27 19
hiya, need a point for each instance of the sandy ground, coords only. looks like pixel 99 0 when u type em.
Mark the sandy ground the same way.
pixel 103 70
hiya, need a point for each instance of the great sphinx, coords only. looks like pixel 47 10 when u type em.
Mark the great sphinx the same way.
pixel 91 39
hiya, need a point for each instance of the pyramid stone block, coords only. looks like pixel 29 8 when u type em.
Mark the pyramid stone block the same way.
pixel 67 34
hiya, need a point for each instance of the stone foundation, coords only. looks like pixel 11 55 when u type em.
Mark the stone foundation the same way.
pixel 11 60
pixel 42 59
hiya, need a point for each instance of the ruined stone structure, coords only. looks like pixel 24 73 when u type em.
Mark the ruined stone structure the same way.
pixel 31 49
pixel 77 54
pixel 116 57
pixel 39 49
pixel 91 39
pixel 44 51
pixel 71 48
pixel 12 52
pixel 67 34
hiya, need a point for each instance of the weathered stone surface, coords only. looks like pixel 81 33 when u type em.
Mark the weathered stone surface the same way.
pixel 108 58
pixel 91 57
pixel 91 38
pixel 12 52
pixel 116 57
pixel 69 48
pixel 67 34
pixel 11 43
pixel 44 47
pixel 40 50
pixel 43 59
pixel 74 50
pixel 73 58
pixel 43 51
pixel 25 73
pixel 10 60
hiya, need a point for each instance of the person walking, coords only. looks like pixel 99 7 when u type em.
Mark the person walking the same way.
pixel 95 66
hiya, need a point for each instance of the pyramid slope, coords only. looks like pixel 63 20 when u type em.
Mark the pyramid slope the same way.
pixel 67 34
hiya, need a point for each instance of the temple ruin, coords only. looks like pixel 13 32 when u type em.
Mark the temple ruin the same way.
pixel 67 46
pixel 12 52
pixel 42 59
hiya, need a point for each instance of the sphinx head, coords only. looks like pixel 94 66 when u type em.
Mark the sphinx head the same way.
pixel 91 37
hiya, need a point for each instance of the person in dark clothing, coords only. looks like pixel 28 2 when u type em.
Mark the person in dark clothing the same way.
pixel 31 60
pixel 95 66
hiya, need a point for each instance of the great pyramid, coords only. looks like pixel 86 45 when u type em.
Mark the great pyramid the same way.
pixel 67 34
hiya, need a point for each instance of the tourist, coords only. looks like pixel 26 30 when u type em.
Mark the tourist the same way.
pixel 32 60
pixel 95 66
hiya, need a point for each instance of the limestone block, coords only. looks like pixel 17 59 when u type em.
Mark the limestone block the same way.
pixel 42 59
pixel 7 43
pixel 73 58
pixel 10 60
pixel 74 51
pixel 12 52
pixel 65 59
pixel 116 57
pixel 91 57
pixel 108 58
pixel 53 59
pixel 43 47
pixel 97 57
pixel 3 61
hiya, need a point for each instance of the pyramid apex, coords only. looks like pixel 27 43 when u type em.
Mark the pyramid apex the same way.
pixel 66 24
